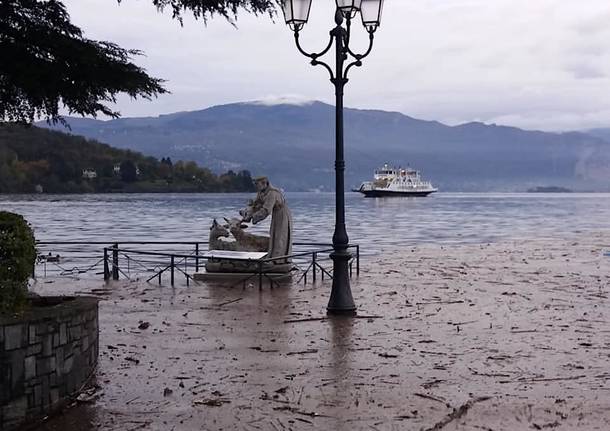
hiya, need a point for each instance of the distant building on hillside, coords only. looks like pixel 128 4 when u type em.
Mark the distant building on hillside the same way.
pixel 89 174
pixel 117 169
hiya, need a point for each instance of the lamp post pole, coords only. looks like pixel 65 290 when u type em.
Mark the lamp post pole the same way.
pixel 341 300
pixel 296 13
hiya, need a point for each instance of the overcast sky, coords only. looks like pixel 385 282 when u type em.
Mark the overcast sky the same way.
pixel 536 64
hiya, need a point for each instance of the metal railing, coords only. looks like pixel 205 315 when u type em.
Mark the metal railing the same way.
pixel 133 259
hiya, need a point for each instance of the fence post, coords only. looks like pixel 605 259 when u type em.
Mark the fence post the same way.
pixel 106 268
pixel 115 261
pixel 186 270
pixel 313 267
pixel 322 272
pixel 260 275
pixel 172 267
pixel 197 257
pixel 357 260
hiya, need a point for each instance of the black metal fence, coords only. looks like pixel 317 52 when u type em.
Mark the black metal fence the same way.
pixel 152 260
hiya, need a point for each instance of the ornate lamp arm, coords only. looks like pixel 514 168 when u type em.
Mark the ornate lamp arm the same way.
pixel 314 56
pixel 358 57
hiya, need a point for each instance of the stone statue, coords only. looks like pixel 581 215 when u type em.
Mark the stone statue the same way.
pixel 270 201
pixel 218 231
pixel 244 241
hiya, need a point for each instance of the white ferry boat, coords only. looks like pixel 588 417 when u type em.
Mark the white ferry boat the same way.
pixel 396 182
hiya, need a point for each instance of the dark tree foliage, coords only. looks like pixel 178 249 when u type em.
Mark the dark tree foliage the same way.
pixel 129 171
pixel 32 158
pixel 204 9
pixel 46 62
pixel 17 257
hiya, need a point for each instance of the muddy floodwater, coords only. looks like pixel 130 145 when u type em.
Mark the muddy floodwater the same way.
pixel 508 335
pixel 475 312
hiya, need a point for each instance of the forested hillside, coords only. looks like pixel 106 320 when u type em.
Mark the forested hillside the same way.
pixel 44 161
pixel 295 146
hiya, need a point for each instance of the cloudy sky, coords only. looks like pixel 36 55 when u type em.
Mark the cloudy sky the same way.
pixel 537 64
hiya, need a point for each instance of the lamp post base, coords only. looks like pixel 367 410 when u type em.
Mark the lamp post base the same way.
pixel 341 301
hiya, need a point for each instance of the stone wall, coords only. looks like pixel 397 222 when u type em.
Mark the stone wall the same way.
pixel 46 356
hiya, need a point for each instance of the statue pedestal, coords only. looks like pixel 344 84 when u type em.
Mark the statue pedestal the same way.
pixel 242 263
pixel 237 276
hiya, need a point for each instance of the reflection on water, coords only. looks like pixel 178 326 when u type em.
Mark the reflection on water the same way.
pixel 377 224
pixel 343 368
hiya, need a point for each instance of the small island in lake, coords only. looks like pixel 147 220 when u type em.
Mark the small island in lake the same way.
pixel 35 160
pixel 549 189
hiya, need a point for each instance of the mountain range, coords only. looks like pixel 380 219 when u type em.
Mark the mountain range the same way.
pixel 294 145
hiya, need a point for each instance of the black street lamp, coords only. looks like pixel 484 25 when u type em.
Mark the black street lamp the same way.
pixel 296 13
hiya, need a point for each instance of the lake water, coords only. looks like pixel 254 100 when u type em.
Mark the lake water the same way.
pixel 376 224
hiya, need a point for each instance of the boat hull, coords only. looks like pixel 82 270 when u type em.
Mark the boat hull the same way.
pixel 385 193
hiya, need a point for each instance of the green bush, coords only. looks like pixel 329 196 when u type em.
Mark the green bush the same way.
pixel 17 258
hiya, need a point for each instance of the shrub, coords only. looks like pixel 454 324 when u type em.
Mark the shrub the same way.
pixel 17 258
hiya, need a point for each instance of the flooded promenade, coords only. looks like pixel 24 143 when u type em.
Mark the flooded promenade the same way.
pixel 505 336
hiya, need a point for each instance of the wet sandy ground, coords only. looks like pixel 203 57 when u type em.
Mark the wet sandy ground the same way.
pixel 508 336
